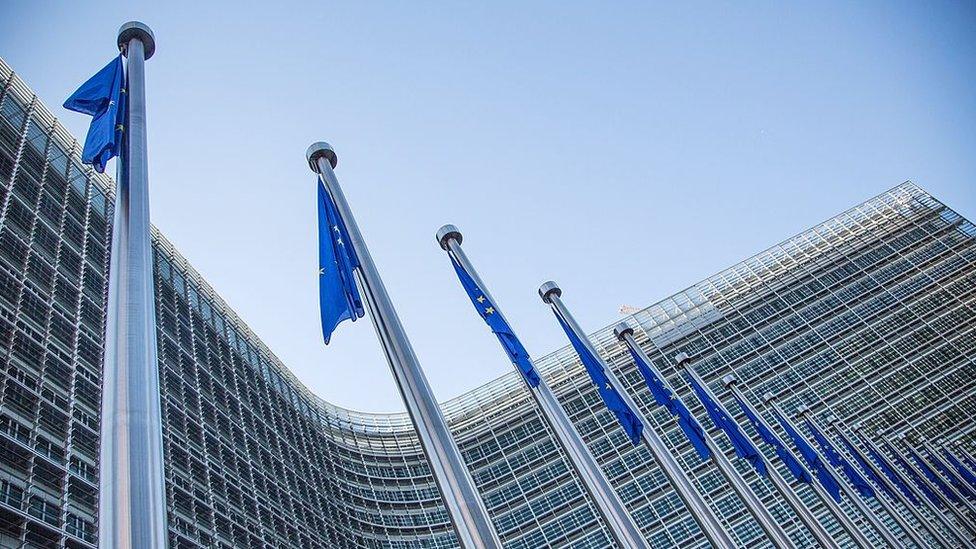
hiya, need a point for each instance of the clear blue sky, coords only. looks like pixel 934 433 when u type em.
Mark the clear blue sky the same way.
pixel 625 150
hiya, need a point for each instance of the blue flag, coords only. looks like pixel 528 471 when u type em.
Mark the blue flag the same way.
pixel 912 474
pixel 970 464
pixel 837 460
pixel 338 295
pixel 770 438
pixel 516 352
pixel 889 472
pixel 103 98
pixel 663 396
pixel 964 472
pixel 932 476
pixel 627 418
pixel 812 458
pixel 744 448
pixel 962 487
pixel 866 467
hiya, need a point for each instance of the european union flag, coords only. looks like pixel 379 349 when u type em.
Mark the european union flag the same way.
pixel 933 478
pixel 837 460
pixel 971 465
pixel 770 438
pixel 628 419
pixel 663 396
pixel 866 467
pixel 964 472
pixel 339 297
pixel 947 474
pixel 894 477
pixel 912 474
pixel 744 448
pixel 516 352
pixel 103 98
pixel 812 458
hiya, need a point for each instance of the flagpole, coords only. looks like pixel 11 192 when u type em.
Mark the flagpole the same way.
pixel 949 486
pixel 964 522
pixel 957 447
pixel 909 531
pixel 132 497
pixel 461 498
pixel 621 524
pixel 936 513
pixel 805 515
pixel 845 483
pixel 936 459
pixel 962 449
pixel 842 518
pixel 703 515
pixel 893 490
pixel 762 515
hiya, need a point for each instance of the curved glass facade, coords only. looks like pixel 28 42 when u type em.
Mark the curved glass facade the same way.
pixel 870 314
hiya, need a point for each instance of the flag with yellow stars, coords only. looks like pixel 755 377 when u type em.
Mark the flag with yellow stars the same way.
pixel 513 347
pixel 103 98
pixel 339 297
pixel 627 418
pixel 665 397
pixel 744 448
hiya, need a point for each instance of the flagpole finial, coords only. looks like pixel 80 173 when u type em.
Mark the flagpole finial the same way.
pixel 446 233
pixel 547 289
pixel 681 359
pixel 317 150
pixel 831 419
pixel 137 29
pixel 622 330
pixel 768 397
pixel 803 409
pixel 728 380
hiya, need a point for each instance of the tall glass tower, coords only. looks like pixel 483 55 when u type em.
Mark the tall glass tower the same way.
pixel 871 315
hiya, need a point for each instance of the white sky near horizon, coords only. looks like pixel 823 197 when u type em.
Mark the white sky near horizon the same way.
pixel 624 150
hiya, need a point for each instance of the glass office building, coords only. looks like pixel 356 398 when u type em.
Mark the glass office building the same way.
pixel 869 315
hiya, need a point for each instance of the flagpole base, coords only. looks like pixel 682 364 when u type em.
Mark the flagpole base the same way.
pixel 446 233
pixel 320 149
pixel 137 29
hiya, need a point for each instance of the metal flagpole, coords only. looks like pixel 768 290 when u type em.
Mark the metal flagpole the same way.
pixel 132 497
pixel 909 530
pixel 762 515
pixel 963 501
pixel 936 459
pixel 959 515
pixel 842 518
pixel 845 484
pixel 626 335
pixel 962 449
pixel 711 527
pixel 934 511
pixel 842 484
pixel 957 447
pixel 461 498
pixel 892 489
pixel 801 510
pixel 620 523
